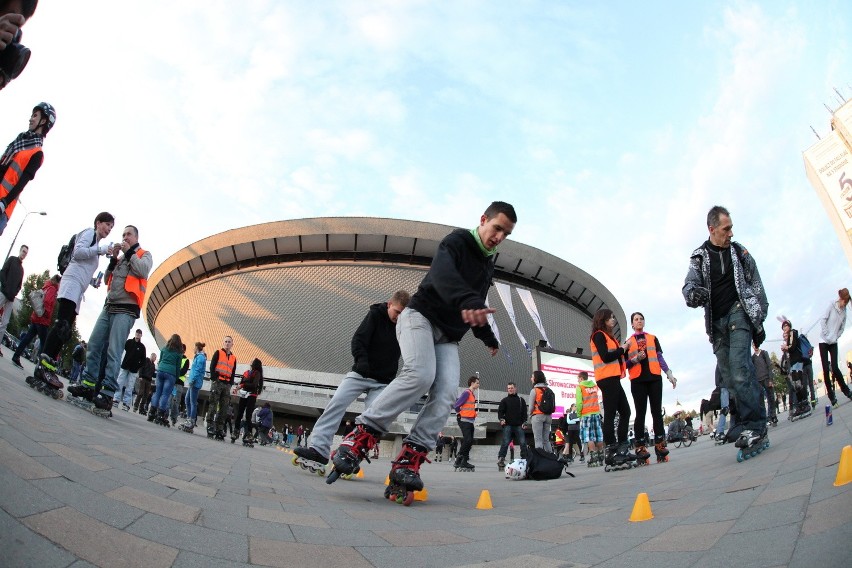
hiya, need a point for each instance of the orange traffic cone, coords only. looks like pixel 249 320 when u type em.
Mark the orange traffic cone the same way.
pixel 422 495
pixel 641 509
pixel 844 468
pixel 484 500
pixel 360 474
pixel 387 480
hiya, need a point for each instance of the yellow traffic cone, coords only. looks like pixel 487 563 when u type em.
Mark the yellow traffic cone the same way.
pixel 421 495
pixel 844 468
pixel 484 500
pixel 360 474
pixel 641 509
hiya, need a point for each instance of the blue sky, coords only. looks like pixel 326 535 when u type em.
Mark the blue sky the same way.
pixel 612 127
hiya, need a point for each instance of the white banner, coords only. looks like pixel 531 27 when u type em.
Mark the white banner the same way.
pixel 529 303
pixel 505 293
pixel 827 164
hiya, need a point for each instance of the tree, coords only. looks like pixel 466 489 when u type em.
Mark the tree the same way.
pixel 778 377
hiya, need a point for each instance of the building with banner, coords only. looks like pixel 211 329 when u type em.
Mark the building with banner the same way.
pixel 828 168
pixel 292 293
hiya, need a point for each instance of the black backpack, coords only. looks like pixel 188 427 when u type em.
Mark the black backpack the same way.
pixel 542 465
pixel 65 254
pixel 547 404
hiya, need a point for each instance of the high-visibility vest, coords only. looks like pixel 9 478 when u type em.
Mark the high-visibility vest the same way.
pixel 468 409
pixel 649 344
pixel 559 437
pixel 13 174
pixel 225 365
pixel 606 370
pixel 133 285
pixel 182 378
pixel 591 405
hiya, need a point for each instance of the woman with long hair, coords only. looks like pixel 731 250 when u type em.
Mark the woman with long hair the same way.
pixel 645 365
pixel 167 373
pixel 250 386
pixel 608 361
pixel 833 323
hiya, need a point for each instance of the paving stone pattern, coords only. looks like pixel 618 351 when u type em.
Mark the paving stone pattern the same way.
pixel 80 490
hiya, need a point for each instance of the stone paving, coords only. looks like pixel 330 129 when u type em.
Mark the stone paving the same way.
pixel 78 490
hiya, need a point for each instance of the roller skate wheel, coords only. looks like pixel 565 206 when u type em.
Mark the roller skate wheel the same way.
pixel 332 477
pixel 408 499
pixel 320 472
pixel 740 456
pixel 387 492
pixel 295 460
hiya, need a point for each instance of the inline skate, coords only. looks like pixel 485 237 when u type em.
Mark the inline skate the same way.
pixel 46 382
pixel 642 454
pixel 618 457
pixel 354 448
pixel 310 459
pixel 750 443
pixel 660 449
pixel 404 478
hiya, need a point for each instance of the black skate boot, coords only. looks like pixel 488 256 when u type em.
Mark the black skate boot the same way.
pixel 501 464
pixel 220 435
pixel 642 454
pixel 404 478
pixel 356 446
pixel 163 418
pixel 462 464
pixel 310 459
pixel 187 426
pixel 17 361
pixel 751 443
pixel 152 414
pixel 46 382
pixel 102 401
pixel 660 449
pixel 82 391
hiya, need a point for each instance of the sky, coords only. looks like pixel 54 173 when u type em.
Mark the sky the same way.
pixel 611 127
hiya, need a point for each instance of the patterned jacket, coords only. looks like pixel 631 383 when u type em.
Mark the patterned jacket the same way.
pixel 746 280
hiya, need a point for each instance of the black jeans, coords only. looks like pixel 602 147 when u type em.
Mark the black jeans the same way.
pixel 467 440
pixel 66 311
pixel 645 392
pixel 35 329
pixel 826 349
pixel 614 401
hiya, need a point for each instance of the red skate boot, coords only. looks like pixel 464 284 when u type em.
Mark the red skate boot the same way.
pixel 356 446
pixel 404 478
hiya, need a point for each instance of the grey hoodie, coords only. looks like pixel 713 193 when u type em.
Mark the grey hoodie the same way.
pixel 833 323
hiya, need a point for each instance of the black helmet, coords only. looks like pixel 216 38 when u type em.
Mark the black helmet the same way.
pixel 48 112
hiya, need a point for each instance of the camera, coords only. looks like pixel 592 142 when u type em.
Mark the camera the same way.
pixel 13 59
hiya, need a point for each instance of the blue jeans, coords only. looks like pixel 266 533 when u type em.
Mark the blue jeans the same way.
pixel 520 440
pixel 732 345
pixel 724 402
pixel 191 403
pixel 165 384
pixel 109 335
pixel 76 371
pixel 429 364
pixel 352 386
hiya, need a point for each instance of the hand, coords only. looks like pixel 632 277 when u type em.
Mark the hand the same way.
pixel 642 355
pixel 670 376
pixel 699 296
pixel 9 24
pixel 476 318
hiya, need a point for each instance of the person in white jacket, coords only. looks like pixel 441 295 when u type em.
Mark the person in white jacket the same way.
pixel 833 323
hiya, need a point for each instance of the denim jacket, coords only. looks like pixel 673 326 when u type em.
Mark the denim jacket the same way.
pixel 196 372
pixel 746 280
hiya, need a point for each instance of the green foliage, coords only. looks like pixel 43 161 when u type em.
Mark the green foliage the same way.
pixel 778 379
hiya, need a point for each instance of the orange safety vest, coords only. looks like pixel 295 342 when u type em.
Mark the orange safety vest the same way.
pixel 606 370
pixel 650 347
pixel 13 174
pixel 591 405
pixel 468 409
pixel 559 437
pixel 133 285
pixel 225 365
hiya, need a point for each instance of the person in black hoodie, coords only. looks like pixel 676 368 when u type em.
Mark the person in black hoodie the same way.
pixel 450 300
pixel 512 413
pixel 376 353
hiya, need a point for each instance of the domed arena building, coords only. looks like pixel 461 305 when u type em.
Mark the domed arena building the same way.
pixel 292 293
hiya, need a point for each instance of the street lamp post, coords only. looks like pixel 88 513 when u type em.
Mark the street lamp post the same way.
pixel 19 231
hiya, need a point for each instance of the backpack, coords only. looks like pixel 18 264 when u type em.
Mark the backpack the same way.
pixel 805 346
pixel 37 302
pixel 65 254
pixel 542 465
pixel 547 404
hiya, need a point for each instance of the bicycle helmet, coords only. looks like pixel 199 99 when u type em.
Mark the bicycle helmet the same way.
pixel 48 112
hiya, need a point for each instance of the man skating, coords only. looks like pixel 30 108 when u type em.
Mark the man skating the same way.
pixel 450 300
pixel 223 367
pixel 724 280
pixel 376 353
